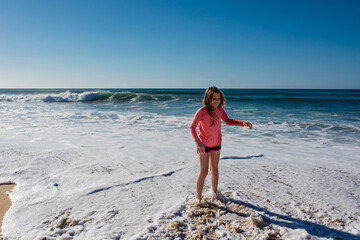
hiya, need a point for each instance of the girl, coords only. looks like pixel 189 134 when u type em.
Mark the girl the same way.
pixel 208 138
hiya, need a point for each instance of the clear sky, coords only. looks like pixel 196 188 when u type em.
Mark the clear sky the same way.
pixel 179 44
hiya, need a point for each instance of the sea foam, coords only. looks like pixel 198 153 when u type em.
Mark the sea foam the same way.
pixel 121 170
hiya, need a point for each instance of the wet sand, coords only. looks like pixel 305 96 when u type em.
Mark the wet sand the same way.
pixel 5 202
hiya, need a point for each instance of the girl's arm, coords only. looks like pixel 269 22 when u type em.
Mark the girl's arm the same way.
pixel 234 122
pixel 194 125
pixel 199 146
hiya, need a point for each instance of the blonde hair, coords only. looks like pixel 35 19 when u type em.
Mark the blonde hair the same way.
pixel 208 97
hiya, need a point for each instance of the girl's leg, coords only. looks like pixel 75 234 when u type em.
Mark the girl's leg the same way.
pixel 214 163
pixel 204 165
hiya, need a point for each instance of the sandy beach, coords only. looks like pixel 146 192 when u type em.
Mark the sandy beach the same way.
pixel 5 202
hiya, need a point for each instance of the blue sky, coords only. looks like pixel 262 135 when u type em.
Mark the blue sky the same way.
pixel 179 44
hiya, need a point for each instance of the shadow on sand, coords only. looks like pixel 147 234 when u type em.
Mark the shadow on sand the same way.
pixel 238 157
pixel 293 223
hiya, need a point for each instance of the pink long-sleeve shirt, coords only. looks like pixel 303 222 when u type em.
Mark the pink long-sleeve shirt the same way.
pixel 209 131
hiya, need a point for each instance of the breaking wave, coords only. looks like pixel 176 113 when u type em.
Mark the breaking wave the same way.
pixel 88 96
pixel 274 97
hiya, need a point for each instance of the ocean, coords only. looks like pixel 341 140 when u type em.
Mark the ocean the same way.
pixel 119 160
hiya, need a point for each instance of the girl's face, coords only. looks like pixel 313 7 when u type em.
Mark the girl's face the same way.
pixel 215 101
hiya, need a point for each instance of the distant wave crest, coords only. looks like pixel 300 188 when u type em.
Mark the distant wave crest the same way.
pixel 71 97
pixel 90 96
pixel 275 97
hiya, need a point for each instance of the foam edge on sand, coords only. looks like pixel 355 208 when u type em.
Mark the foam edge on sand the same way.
pixel 5 201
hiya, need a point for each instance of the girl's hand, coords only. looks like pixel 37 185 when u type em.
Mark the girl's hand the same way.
pixel 200 148
pixel 248 124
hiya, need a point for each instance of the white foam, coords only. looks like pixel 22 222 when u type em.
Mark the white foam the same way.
pixel 119 173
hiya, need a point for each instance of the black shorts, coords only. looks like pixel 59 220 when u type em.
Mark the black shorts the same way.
pixel 208 149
